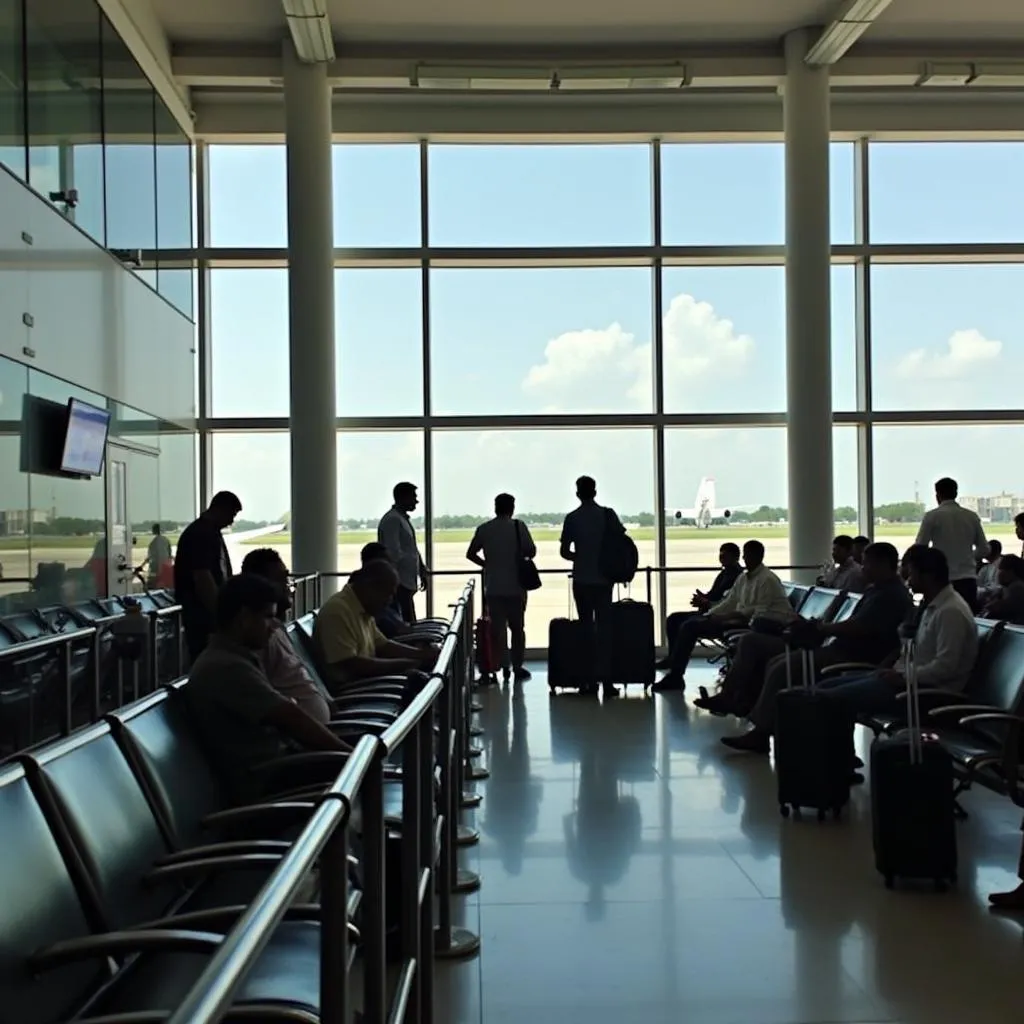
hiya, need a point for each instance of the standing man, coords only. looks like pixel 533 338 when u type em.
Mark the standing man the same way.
pixel 504 542
pixel 158 555
pixel 956 532
pixel 583 533
pixel 396 532
pixel 201 569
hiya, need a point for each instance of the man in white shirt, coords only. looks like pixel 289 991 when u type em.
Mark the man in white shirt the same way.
pixel 988 582
pixel 396 532
pixel 158 555
pixel 944 651
pixel 758 593
pixel 956 532
pixel 846 572
pixel 503 543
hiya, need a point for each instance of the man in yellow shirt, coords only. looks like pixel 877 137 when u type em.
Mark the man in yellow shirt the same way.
pixel 350 645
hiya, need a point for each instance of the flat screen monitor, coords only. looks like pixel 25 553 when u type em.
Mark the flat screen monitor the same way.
pixel 85 440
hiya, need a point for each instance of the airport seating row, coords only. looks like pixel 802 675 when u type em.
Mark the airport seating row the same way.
pixel 132 884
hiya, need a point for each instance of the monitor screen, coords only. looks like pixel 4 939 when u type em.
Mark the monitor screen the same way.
pixel 85 440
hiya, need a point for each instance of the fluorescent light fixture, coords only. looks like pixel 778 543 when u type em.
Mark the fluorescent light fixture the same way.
pixel 311 30
pixel 853 20
pixel 948 76
pixel 667 76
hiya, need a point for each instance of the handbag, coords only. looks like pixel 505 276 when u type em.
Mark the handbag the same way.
pixel 526 571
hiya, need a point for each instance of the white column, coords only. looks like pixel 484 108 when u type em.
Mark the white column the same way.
pixel 314 525
pixel 808 306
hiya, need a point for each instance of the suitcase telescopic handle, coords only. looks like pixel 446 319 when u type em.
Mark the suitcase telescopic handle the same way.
pixel 913 703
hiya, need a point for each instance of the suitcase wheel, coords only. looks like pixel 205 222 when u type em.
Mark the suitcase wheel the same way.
pixel 784 810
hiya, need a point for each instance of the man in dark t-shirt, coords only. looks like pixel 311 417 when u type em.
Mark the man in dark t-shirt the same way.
pixel 201 567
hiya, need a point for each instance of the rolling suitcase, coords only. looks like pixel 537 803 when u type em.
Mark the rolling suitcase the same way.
pixel 484 649
pixel 570 655
pixel 630 639
pixel 913 826
pixel 812 746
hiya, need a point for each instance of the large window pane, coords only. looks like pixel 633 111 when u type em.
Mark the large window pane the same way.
pixel 249 342
pixel 539 467
pixel 174 208
pixel 497 195
pixel 947 337
pixel 12 88
pixel 529 341
pixel 734 193
pixel 845 479
pixel 376 195
pixel 130 132
pixel 177 477
pixel 909 459
pixel 248 196
pixel 724 339
pixel 65 107
pixel 946 191
pixel 844 338
pixel 379 330
pixel 15 516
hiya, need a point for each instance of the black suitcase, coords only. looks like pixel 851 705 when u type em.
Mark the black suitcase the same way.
pixel 912 819
pixel 570 655
pixel 630 640
pixel 813 750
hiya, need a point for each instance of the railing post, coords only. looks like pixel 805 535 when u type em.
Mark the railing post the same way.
pixel 153 652
pixel 409 923
pixel 648 571
pixel 374 896
pixel 428 857
pixel 334 947
pixel 179 645
pixel 97 674
pixel 66 724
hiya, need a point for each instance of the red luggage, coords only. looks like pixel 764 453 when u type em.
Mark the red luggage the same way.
pixel 485 662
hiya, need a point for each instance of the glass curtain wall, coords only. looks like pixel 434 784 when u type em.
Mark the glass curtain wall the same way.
pixel 510 317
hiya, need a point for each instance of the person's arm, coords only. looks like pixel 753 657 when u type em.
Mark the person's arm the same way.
pixel 389 534
pixel 206 589
pixel 566 547
pixel 924 531
pixel 528 546
pixel 953 632
pixel 392 650
pixel 289 719
pixel 473 551
pixel 980 542
pixel 728 605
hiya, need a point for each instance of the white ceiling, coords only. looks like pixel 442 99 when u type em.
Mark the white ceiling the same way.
pixel 498 23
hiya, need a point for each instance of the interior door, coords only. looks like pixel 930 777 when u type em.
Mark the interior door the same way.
pixel 119 540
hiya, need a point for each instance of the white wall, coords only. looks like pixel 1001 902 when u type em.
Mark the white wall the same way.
pixel 95 324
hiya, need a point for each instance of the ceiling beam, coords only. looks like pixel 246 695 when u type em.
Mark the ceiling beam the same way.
pixel 310 27
pixel 136 23
pixel 851 21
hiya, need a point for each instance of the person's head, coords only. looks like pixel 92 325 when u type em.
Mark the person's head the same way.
pixel 881 562
pixel 246 606
pixel 586 488
pixel 995 549
pixel 945 489
pixel 1011 568
pixel 156 529
pixel 268 563
pixel 1018 525
pixel 505 506
pixel 928 571
pixel 753 554
pixel 373 552
pixel 406 496
pixel 860 545
pixel 907 555
pixel 729 554
pixel 842 548
pixel 223 508
pixel 375 585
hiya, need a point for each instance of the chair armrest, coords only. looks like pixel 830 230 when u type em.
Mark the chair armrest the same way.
pixel 226 849
pixel 223 919
pixel 156 940
pixel 961 709
pixel 842 667
pixel 992 716
pixel 211 865
pixel 283 812
pixel 932 691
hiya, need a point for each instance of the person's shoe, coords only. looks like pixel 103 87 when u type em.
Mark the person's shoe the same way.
pixel 670 684
pixel 756 741
pixel 522 674
pixel 506 675
pixel 663 664
pixel 1012 900
pixel 610 691
pixel 719 704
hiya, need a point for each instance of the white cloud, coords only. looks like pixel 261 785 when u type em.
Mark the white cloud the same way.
pixel 965 350
pixel 608 368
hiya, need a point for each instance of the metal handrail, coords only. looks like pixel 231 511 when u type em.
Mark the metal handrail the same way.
pixel 212 993
pixel 43 643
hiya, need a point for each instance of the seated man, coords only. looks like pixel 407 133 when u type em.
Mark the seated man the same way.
pixel 1008 601
pixel 389 621
pixel 845 573
pixel 350 644
pixel 944 651
pixel 988 584
pixel 870 636
pixel 860 544
pixel 729 559
pixel 243 720
pixel 758 593
pixel 284 668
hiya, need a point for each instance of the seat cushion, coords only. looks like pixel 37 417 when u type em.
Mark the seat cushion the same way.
pixel 965 746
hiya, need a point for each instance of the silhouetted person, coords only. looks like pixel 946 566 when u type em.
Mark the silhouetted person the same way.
pixel 201 568
pixel 1008 602
pixel 988 585
pixel 396 532
pixel 158 555
pixel 859 544
pixel 845 573
pixel 956 532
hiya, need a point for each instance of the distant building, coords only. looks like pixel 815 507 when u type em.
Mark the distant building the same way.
pixel 997 508
pixel 15 522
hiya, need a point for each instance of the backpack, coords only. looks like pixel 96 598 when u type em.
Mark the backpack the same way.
pixel 619 558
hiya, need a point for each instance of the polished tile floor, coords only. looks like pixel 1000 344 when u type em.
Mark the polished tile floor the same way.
pixel 633 871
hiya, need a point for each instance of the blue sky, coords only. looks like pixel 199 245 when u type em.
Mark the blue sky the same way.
pixel 578 340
